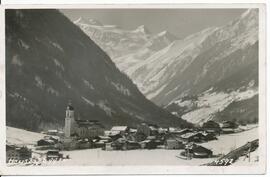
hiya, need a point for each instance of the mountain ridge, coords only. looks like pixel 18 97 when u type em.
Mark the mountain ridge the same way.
pixel 50 61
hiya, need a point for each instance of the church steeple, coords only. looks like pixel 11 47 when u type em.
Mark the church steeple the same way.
pixel 69 120
pixel 70 110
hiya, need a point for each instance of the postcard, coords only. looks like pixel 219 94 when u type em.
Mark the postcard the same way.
pixel 133 89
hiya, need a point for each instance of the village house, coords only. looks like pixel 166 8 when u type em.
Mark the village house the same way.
pixel 183 131
pixel 197 151
pixel 17 153
pixel 211 127
pixel 45 142
pixel 122 130
pixel 147 129
pixel 68 143
pixel 52 132
pixel 229 127
pixel 81 128
pixel 192 137
pixel 89 128
pixel 84 143
pixel 174 143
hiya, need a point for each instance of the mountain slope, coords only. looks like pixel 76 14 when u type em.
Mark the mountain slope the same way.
pixel 195 63
pixel 198 76
pixel 126 47
pixel 50 61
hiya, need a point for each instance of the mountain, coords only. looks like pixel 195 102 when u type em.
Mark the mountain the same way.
pixel 221 82
pixel 197 62
pixel 50 61
pixel 196 77
pixel 125 47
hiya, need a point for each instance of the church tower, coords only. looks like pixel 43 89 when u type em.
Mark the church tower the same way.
pixel 69 121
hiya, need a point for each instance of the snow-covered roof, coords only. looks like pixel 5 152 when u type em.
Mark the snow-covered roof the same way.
pixel 133 130
pixel 52 131
pixel 119 128
pixel 190 134
pixel 111 133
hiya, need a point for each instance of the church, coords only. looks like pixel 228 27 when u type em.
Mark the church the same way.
pixel 81 128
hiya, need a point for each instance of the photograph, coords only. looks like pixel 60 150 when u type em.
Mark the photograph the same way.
pixel 151 86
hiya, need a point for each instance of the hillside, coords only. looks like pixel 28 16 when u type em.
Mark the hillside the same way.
pixel 178 67
pixel 22 137
pixel 127 48
pixel 50 61
pixel 214 65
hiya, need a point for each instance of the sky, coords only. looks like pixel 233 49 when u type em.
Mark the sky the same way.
pixel 180 22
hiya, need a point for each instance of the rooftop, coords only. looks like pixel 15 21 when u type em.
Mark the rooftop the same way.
pixel 119 128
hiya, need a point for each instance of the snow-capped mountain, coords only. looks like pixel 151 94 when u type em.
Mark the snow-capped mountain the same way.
pixel 170 72
pixel 125 47
pixel 50 61
pixel 221 82
pixel 223 59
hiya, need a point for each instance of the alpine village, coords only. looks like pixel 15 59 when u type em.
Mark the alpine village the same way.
pixel 70 101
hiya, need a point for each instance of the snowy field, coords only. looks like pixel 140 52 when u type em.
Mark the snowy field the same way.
pixel 223 145
pixel 22 137
pixel 210 103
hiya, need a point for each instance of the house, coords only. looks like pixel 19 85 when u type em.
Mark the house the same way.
pixel 89 128
pixel 82 128
pixel 162 130
pixel 53 155
pixel 17 153
pixel 68 143
pixel 45 142
pixel 140 136
pixel 84 143
pixel 148 144
pixel 197 151
pixel 101 141
pixel 229 127
pixel 209 136
pixel 52 132
pixel 174 144
pixel 177 131
pixel 148 129
pixel 229 124
pixel 211 127
pixel 192 137
pixel 108 147
pixel 122 130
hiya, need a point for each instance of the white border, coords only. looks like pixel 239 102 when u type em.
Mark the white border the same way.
pixel 65 170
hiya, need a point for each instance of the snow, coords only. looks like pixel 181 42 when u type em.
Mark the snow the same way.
pixel 121 89
pixel 16 60
pixel 87 83
pixel 155 93
pixel 210 103
pixel 102 105
pixel 151 69
pixel 58 64
pixel 23 44
pixel 53 91
pixel 88 101
pixel 245 161
pixel 39 82
pixel 20 136
pixel 155 71
pixel 140 29
pixel 67 84
pixel 56 45
pixel 228 142
pixel 119 128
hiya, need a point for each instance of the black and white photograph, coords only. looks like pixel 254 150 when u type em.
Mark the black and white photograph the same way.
pixel 134 87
